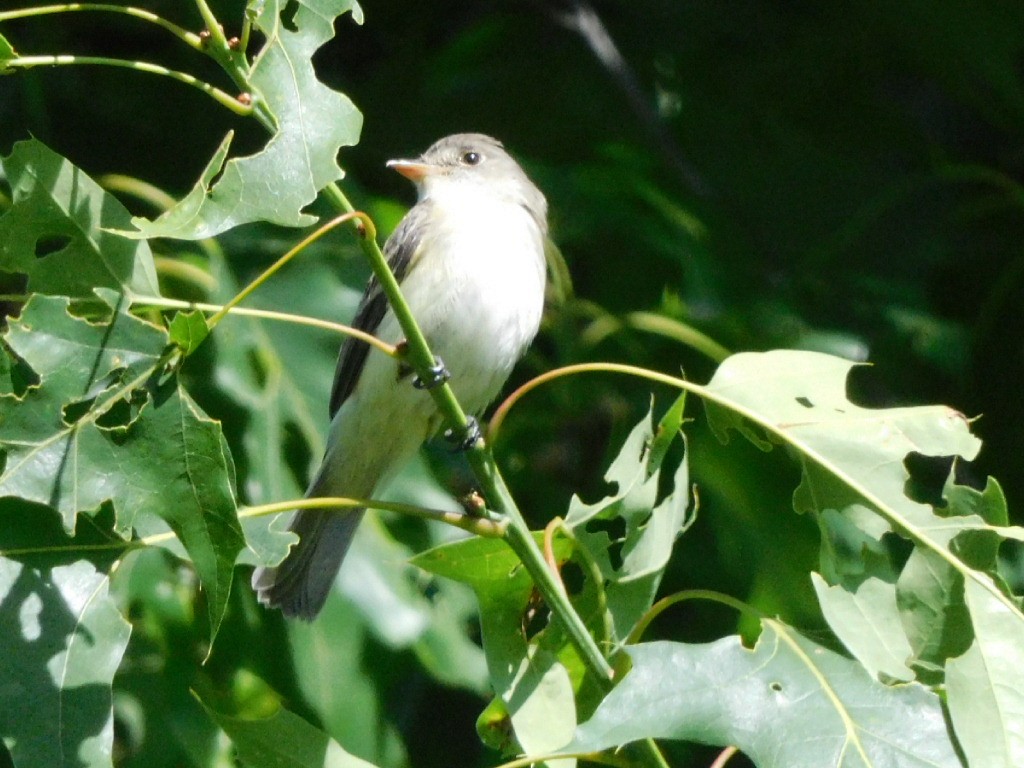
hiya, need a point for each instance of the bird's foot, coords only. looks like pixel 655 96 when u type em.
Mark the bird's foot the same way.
pixel 469 437
pixel 439 374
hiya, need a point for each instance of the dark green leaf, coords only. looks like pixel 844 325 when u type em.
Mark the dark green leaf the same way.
pixel 786 703
pixel 284 740
pixel 56 230
pixel 311 123
pixel 101 426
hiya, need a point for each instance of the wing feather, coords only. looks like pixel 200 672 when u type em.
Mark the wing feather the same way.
pixel 400 250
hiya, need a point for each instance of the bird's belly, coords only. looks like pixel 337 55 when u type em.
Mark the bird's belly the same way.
pixel 486 312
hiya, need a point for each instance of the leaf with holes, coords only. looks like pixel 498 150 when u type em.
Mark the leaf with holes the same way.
pixel 311 122
pixel 855 474
pixel 104 423
pixel 56 231
pixel 786 703
pixel 63 639
pixel 630 534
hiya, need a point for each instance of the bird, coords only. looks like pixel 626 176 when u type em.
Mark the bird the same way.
pixel 469 258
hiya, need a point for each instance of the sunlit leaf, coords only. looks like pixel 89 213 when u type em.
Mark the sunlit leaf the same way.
pixel 63 639
pixel 854 462
pixel 56 230
pixel 786 703
pixel 311 123
pixel 630 533
pixel 986 685
pixel 868 620
pixel 103 426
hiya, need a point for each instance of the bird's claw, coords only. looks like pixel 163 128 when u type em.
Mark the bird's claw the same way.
pixel 468 438
pixel 439 374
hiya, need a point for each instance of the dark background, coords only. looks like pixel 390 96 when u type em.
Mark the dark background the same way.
pixel 844 177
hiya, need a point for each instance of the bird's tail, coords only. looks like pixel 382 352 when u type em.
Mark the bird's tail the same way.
pixel 299 584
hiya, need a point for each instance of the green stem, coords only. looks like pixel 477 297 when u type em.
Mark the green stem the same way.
pixel 222 98
pixel 690 594
pixel 263 314
pixel 267 273
pixel 518 535
pixel 189 38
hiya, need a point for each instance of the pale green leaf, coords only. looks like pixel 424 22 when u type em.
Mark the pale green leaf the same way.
pixel 630 534
pixel 854 464
pixel 985 685
pixel 786 703
pixel 868 621
pixel 62 639
pixel 311 123
pixel 56 231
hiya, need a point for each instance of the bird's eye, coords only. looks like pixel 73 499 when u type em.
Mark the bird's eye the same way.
pixel 471 158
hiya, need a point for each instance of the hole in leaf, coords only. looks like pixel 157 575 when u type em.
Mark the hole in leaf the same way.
pixel 616 530
pixel 614 527
pixel 573 578
pixel 775 686
pixel 805 402
pixel 927 476
pixel 72 412
pixel 535 619
pixel 20 373
pixel 288 15
pixel 47 245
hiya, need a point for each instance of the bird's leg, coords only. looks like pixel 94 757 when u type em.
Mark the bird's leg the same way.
pixel 438 376
pixel 469 437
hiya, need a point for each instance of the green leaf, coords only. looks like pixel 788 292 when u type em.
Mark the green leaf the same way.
pixel 188 330
pixel 632 561
pixel 868 620
pixel 101 426
pixel 7 53
pixel 311 123
pixel 63 639
pixel 341 684
pixel 56 231
pixel 284 740
pixel 985 686
pixel 787 703
pixel 529 679
pixel 854 464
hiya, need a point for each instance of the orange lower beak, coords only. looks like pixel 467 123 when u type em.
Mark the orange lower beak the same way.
pixel 413 170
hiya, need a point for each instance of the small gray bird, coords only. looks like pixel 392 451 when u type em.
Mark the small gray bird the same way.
pixel 470 259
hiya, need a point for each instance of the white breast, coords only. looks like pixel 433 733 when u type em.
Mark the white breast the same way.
pixel 478 289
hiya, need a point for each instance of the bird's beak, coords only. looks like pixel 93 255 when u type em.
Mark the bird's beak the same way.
pixel 414 170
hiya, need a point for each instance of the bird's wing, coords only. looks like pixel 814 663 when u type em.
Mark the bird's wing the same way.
pixel 401 250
